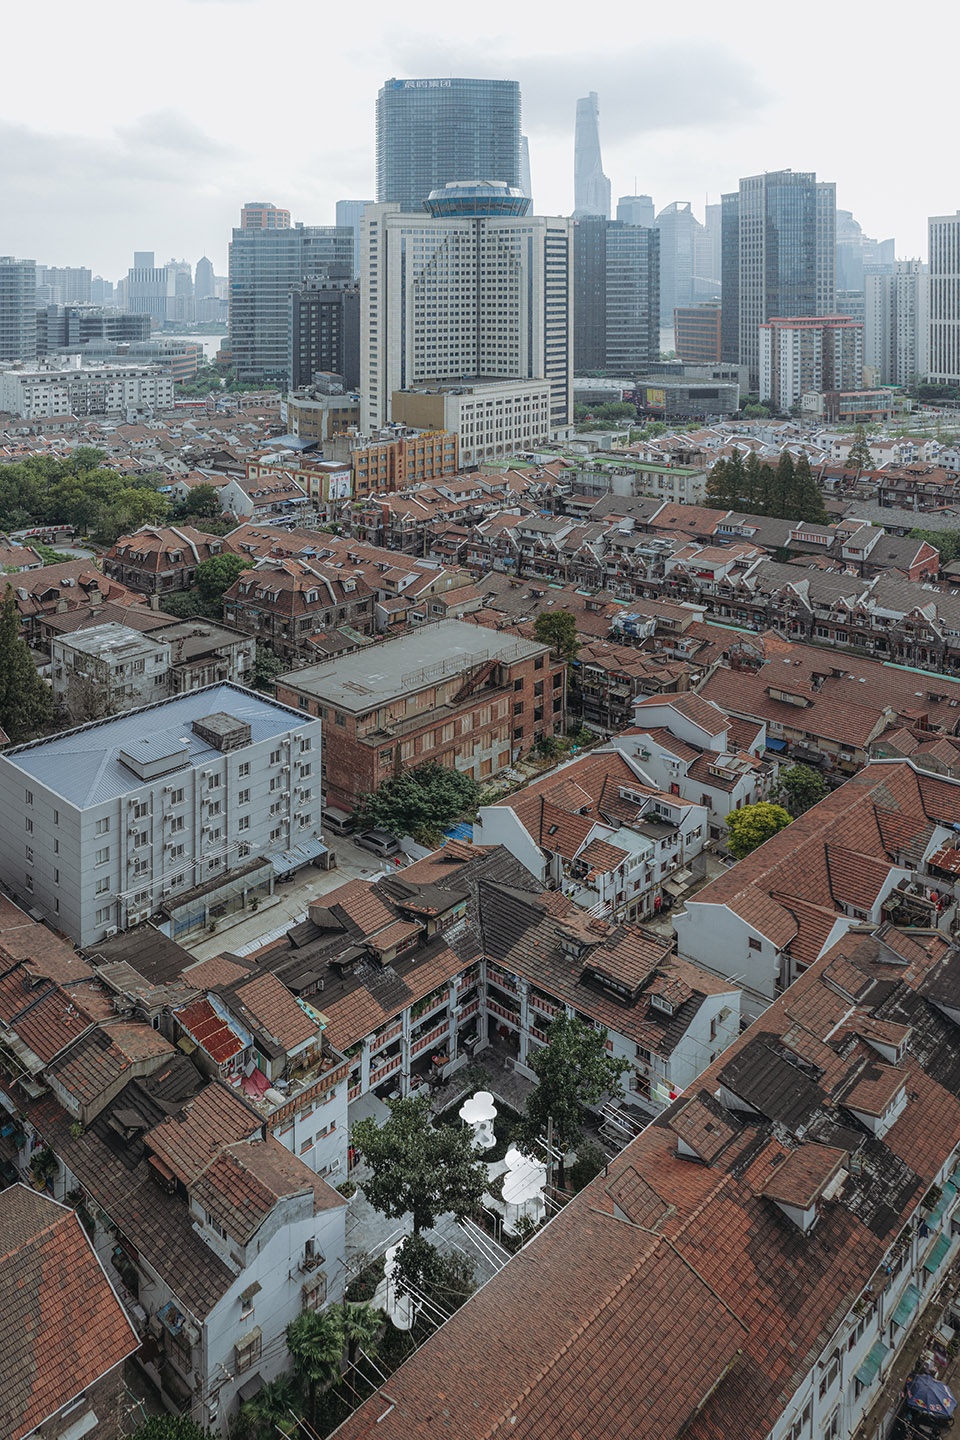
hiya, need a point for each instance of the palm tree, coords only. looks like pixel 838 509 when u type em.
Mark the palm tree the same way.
pixel 315 1340
pixel 260 1416
pixel 361 1326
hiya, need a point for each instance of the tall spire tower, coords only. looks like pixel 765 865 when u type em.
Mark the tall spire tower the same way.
pixel 591 188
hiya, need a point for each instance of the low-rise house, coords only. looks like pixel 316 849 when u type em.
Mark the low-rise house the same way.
pixel 597 828
pixel 259 497
pixel 879 848
pixel 56 1301
pixel 73 586
pixel 771 1249
pixel 690 747
pixel 284 602
pixel 158 560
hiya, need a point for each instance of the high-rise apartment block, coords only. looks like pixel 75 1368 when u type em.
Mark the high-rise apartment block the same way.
pixel 260 215
pixel 591 188
pixel 945 299
pixel 431 133
pixel 896 341
pixel 476 289
pixel 616 325
pixel 18 309
pixel 696 331
pixel 266 263
pixel 803 355
pixel 778 256
pixel 63 285
pixel 324 332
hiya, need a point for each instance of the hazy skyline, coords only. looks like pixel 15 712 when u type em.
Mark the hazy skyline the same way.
pixel 150 134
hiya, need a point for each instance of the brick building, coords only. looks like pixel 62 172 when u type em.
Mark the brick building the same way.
pixel 286 601
pixel 160 559
pixel 450 692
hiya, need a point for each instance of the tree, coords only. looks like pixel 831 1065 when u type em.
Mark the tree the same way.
pixel 751 825
pixel 170 1427
pixel 203 500
pixel 420 801
pixel 808 497
pixel 797 788
pixel 558 629
pixel 261 1417
pixel 946 542
pixel 859 452
pixel 573 1070
pixel 315 1341
pixel 418 1168
pixel 216 575
pixel 361 1326
pixel 421 1270
pixel 26 703
pixel 266 667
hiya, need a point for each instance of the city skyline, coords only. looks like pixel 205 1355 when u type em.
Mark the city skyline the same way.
pixel 164 161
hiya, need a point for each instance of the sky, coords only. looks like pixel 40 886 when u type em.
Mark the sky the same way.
pixel 135 127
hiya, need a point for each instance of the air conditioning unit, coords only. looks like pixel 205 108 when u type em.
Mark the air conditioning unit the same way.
pixel 284 769
pixel 110 931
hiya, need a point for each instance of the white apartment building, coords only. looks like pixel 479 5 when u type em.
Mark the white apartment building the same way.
pixel 465 296
pixel 492 421
pixel 84 390
pixel 111 821
pixel 945 299
pixel 896 341
pixel 106 669
pixel 803 355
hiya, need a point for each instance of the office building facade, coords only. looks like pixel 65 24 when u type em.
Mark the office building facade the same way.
pixel 896 344
pixel 266 263
pixel 18 309
pixel 324 332
pixel 262 215
pixel 778 256
pixel 679 230
pixel 616 296
pixel 477 290
pixel 591 188
pixel 636 210
pixel 122 815
pixel 945 299
pixel 697 334
pixel 431 133
pixel 349 214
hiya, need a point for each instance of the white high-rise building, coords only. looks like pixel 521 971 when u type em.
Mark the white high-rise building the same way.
pixel 896 342
pixel 945 299
pixel 476 289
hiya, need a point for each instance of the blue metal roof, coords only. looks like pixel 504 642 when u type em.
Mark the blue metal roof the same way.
pixel 84 768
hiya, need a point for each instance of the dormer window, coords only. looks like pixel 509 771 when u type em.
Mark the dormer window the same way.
pixel 658 1002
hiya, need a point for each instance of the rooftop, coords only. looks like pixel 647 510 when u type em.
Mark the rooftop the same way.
pixel 84 766
pixel 371 677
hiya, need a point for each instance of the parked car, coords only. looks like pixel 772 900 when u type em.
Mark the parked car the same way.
pixel 381 842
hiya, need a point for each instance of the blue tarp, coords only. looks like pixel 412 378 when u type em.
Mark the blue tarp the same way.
pixel 773 744
pixel 459 832
pixel 931 1397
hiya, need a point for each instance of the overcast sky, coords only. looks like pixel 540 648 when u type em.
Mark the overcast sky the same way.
pixel 130 126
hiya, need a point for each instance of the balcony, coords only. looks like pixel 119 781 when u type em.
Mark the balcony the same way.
pixel 471 1008
pixel 501 978
pixel 384 1038
pixel 422 1041
pixel 388 1068
pixel 511 1016
pixel 546 1007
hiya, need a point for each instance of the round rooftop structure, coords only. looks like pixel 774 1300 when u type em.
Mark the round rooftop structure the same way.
pixel 477 198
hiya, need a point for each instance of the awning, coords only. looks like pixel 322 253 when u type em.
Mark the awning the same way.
pixel 773 744
pixel 674 889
pixel 935 1259
pixel 250 1388
pixel 909 1301
pixel 871 1366
pixel 946 1200
pixel 298 856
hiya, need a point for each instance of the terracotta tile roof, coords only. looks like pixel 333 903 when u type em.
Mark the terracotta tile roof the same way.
pixel 876 1089
pixel 275 1010
pixel 187 1142
pixel 602 857
pixel 215 1035
pixel 242 1185
pixel 704 1125
pixel 804 1175
pixel 218 970
pixel 63 1326
pixel 101 1061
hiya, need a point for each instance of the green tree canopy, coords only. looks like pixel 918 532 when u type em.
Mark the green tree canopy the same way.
pixel 573 1070
pixel 216 575
pixel 947 542
pixel 80 492
pixel 203 500
pixel 859 452
pixel 797 788
pixel 751 825
pixel 170 1427
pixel 266 667
pixel 420 801
pixel 26 702
pixel 421 1270
pixel 316 1341
pixel 558 629
pixel 418 1168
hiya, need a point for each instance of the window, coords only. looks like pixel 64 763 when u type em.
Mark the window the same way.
pixel 103 826
pixel 275 757
pixel 713 1028
pixel 29 853
pixel 103 915
pixel 244 797
pixel 315 1291
pixel 103 885
pixel 177 797
pixel 214 807
pixel 304 771
pixel 142 837
pixel 754 943
pixel 243 823
pixel 28 797
pixel 56 817
pixel 243 769
pixel 28 826
pixel 176 824
pixel 28 883
pixel 102 856
pixel 247 1351
pixel 141 810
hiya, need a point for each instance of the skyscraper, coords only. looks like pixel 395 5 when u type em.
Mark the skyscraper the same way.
pixel 778 256
pixel 616 310
pixel 945 299
pixel 348 216
pixel 636 210
pixel 434 132
pixel 526 184
pixel 204 280
pixel 265 264
pixel 324 332
pixel 18 309
pixel 262 215
pixel 591 188
pixel 897 323
pixel 679 229
pixel 149 288
pixel 476 288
